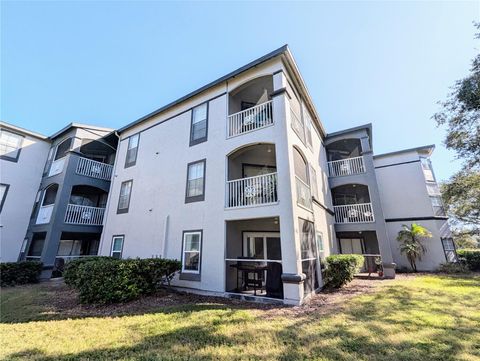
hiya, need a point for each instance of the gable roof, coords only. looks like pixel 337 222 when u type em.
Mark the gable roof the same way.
pixel 289 62
pixel 23 130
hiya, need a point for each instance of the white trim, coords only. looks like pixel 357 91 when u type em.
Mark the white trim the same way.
pixel 263 235
pixel 199 251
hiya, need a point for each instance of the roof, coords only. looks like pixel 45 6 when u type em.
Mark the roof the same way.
pixel 282 51
pixel 23 130
pixel 80 125
pixel 428 148
pixel 367 126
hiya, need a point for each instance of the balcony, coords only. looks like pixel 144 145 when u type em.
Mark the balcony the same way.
pixel 354 213
pixel 352 204
pixel 252 191
pixel 347 166
pixel 94 169
pixel 44 214
pixel 252 176
pixel 251 119
pixel 84 215
pixel 56 167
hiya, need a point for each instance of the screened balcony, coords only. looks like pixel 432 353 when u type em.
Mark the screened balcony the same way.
pixel 250 107
pixel 252 177
pixel 86 206
pixel 345 158
pixel 253 261
pixel 352 204
pixel 96 160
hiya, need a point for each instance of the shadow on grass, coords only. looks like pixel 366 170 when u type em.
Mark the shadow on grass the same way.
pixel 397 323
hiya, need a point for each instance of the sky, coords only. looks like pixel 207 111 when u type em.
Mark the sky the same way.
pixel 109 63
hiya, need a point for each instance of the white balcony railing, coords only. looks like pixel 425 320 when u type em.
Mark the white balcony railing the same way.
pixel 252 191
pixel 354 213
pixel 92 216
pixel 257 117
pixel 94 169
pixel 44 214
pixel 304 196
pixel 347 166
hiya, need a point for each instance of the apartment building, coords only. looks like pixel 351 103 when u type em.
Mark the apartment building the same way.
pixel 65 214
pixel 240 181
pixel 22 156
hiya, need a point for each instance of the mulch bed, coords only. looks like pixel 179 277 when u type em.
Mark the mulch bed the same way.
pixel 64 301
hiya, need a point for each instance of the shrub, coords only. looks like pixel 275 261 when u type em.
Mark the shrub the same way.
pixel 70 272
pixel 470 257
pixel 19 273
pixel 341 269
pixel 450 267
pixel 109 280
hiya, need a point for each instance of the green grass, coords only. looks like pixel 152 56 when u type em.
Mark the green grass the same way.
pixel 421 318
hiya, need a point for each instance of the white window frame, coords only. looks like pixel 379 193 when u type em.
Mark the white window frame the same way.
pixel 122 237
pixel 185 234
pixel 263 235
pixel 18 146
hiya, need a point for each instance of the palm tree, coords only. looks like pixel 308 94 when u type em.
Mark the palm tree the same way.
pixel 411 245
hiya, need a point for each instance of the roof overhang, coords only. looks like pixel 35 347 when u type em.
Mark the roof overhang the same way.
pixel 23 131
pixel 426 149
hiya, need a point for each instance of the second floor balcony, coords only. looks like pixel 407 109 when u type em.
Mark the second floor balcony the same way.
pixel 252 177
pixel 250 119
pixel 352 204
pixel 85 215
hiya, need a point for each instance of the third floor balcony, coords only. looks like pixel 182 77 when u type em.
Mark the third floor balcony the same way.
pixel 345 158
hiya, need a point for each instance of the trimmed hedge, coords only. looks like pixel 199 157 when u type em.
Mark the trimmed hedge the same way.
pixel 470 257
pixel 19 273
pixel 108 280
pixel 71 268
pixel 341 269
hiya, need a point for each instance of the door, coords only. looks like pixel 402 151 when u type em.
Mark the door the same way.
pixel 262 245
pixel 352 245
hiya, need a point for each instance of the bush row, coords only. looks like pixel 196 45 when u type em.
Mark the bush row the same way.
pixel 106 280
pixel 470 257
pixel 19 273
pixel 341 268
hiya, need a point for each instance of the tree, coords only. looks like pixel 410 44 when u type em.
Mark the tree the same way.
pixel 411 246
pixel 461 115
pixel 461 195
pixel 466 240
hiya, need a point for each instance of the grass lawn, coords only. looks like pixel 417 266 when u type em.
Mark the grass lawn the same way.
pixel 428 317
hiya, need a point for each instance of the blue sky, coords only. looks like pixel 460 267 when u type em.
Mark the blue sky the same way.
pixel 109 63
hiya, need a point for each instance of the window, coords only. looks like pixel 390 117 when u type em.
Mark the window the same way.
pixel 320 246
pixel 449 249
pixel 63 148
pixel 191 254
pixel 313 182
pixel 132 150
pixel 117 247
pixel 10 145
pixel 308 129
pixel 3 194
pixel 50 195
pixel 199 126
pixel 36 246
pixel 124 198
pixel 437 205
pixel 427 169
pixel 195 182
